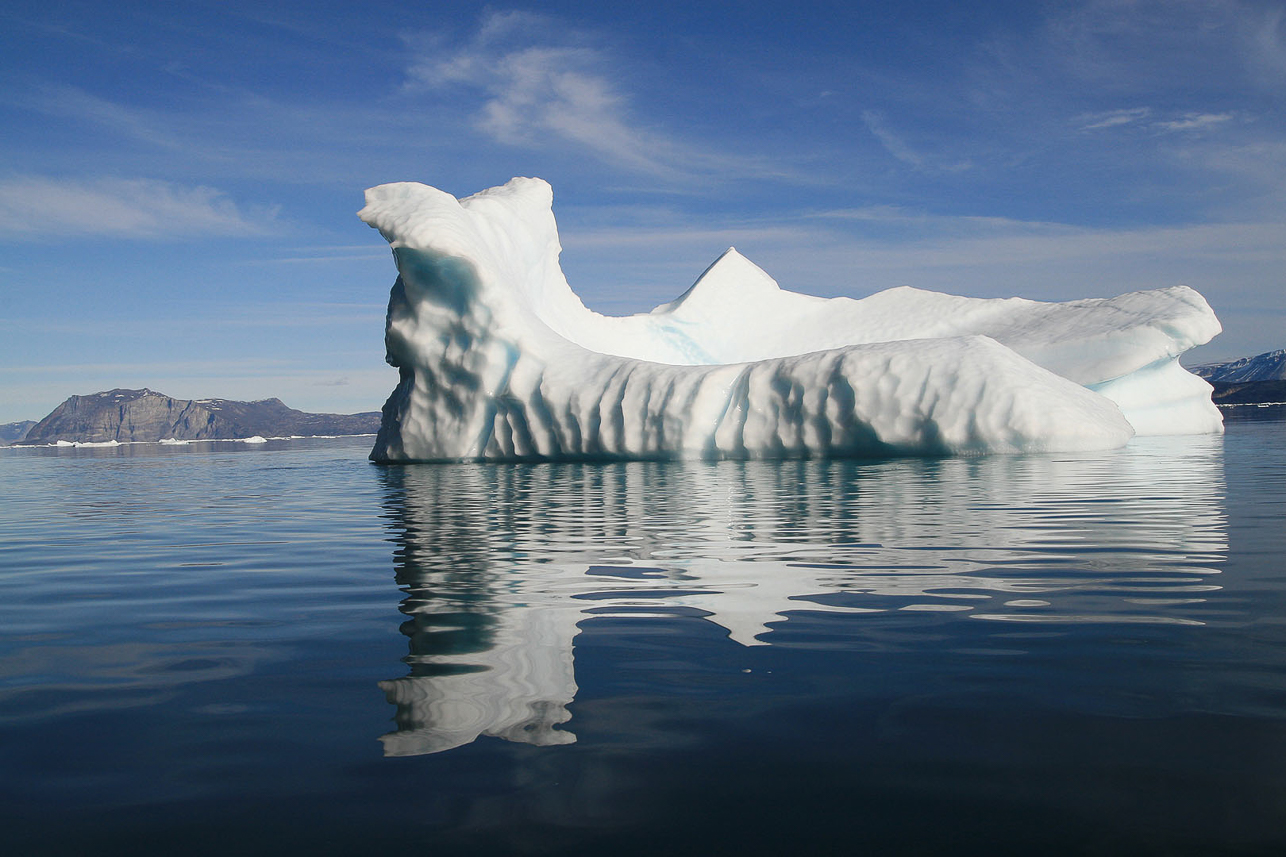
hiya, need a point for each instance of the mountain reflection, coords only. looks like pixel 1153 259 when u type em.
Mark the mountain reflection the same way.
pixel 500 563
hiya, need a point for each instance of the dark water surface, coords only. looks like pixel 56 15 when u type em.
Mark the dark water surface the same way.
pixel 283 649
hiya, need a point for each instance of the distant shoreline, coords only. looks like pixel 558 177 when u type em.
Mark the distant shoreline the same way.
pixel 132 416
pixel 110 444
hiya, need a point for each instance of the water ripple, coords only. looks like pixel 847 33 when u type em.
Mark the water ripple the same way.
pixel 532 552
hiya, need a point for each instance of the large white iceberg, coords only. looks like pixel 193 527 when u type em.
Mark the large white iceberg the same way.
pixel 500 360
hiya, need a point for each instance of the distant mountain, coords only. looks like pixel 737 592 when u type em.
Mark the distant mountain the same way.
pixel 145 415
pixel 14 432
pixel 1249 381
pixel 1262 367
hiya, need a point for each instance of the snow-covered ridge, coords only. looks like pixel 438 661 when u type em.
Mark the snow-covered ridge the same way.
pixel 500 360
pixel 1270 366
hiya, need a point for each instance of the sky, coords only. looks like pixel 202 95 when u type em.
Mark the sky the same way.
pixel 179 180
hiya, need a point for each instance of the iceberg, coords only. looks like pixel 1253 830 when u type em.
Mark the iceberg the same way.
pixel 500 360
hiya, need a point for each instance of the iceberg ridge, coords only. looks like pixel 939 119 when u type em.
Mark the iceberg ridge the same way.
pixel 500 360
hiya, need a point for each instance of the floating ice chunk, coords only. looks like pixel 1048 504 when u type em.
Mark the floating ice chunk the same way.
pixel 254 439
pixel 500 360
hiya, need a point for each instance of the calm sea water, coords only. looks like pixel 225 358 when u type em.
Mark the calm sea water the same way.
pixel 283 649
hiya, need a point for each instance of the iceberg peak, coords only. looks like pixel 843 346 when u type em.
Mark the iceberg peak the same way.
pixel 730 278
pixel 500 360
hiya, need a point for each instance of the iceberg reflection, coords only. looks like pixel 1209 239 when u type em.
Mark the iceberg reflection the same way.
pixel 500 563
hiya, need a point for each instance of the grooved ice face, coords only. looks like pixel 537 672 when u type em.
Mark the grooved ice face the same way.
pixel 501 361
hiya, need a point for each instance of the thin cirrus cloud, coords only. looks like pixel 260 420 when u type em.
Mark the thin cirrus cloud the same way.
pixel 896 146
pixel 1140 116
pixel 1194 121
pixel 1267 39
pixel 74 104
pixel 540 87
pixel 892 143
pixel 1112 118
pixel 921 240
pixel 36 207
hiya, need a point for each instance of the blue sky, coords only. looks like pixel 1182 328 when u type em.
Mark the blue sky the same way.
pixel 178 180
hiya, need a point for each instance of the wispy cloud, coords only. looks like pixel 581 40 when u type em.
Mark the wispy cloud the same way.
pixel 672 236
pixel 541 85
pixel 892 143
pixel 1112 118
pixel 325 256
pixel 215 314
pixel 1143 117
pixel 890 237
pixel 896 146
pixel 1193 121
pixel 1266 40
pixel 37 207
pixel 1203 48
pixel 74 103
pixel 301 315
pixel 535 90
pixel 1052 244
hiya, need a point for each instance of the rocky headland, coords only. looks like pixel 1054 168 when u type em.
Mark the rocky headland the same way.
pixel 142 416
